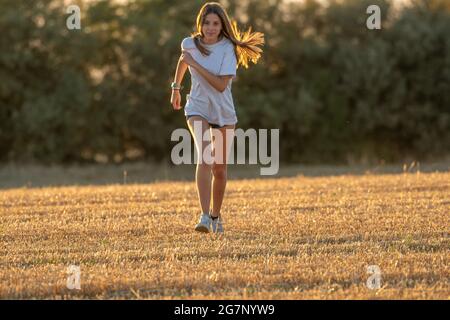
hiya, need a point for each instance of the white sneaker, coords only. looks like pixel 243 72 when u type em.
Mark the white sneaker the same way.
pixel 204 224
pixel 216 225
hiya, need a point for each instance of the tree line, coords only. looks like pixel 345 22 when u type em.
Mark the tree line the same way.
pixel 337 91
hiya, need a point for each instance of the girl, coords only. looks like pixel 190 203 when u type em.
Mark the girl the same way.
pixel 212 55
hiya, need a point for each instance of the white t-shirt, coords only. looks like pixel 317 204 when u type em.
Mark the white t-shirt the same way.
pixel 203 99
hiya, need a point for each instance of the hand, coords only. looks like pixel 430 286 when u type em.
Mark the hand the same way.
pixel 175 99
pixel 187 58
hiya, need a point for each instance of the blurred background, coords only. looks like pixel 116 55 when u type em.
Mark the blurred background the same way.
pixel 338 92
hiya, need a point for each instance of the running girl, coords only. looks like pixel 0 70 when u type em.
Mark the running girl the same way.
pixel 212 55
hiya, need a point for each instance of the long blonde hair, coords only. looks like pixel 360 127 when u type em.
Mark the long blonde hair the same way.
pixel 245 43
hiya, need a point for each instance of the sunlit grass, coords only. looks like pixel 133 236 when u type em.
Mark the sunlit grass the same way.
pixel 287 238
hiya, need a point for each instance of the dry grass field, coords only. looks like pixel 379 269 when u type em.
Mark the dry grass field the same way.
pixel 297 237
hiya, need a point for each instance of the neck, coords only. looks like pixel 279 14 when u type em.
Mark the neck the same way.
pixel 211 42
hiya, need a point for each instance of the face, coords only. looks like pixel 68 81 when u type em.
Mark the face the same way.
pixel 211 27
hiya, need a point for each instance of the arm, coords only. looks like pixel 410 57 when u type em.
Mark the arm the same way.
pixel 218 82
pixel 175 98
pixel 180 71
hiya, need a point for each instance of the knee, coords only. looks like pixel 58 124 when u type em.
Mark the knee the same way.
pixel 219 171
pixel 204 166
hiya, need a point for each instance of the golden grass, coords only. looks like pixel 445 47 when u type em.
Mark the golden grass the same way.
pixel 288 238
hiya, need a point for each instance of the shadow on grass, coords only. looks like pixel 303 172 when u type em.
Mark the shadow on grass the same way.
pixel 35 176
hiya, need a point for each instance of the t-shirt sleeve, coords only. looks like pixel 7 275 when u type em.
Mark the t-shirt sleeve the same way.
pixel 229 62
pixel 187 43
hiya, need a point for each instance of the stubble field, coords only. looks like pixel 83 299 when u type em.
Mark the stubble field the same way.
pixel 287 238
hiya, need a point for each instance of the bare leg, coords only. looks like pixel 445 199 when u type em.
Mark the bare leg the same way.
pixel 222 143
pixel 203 170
